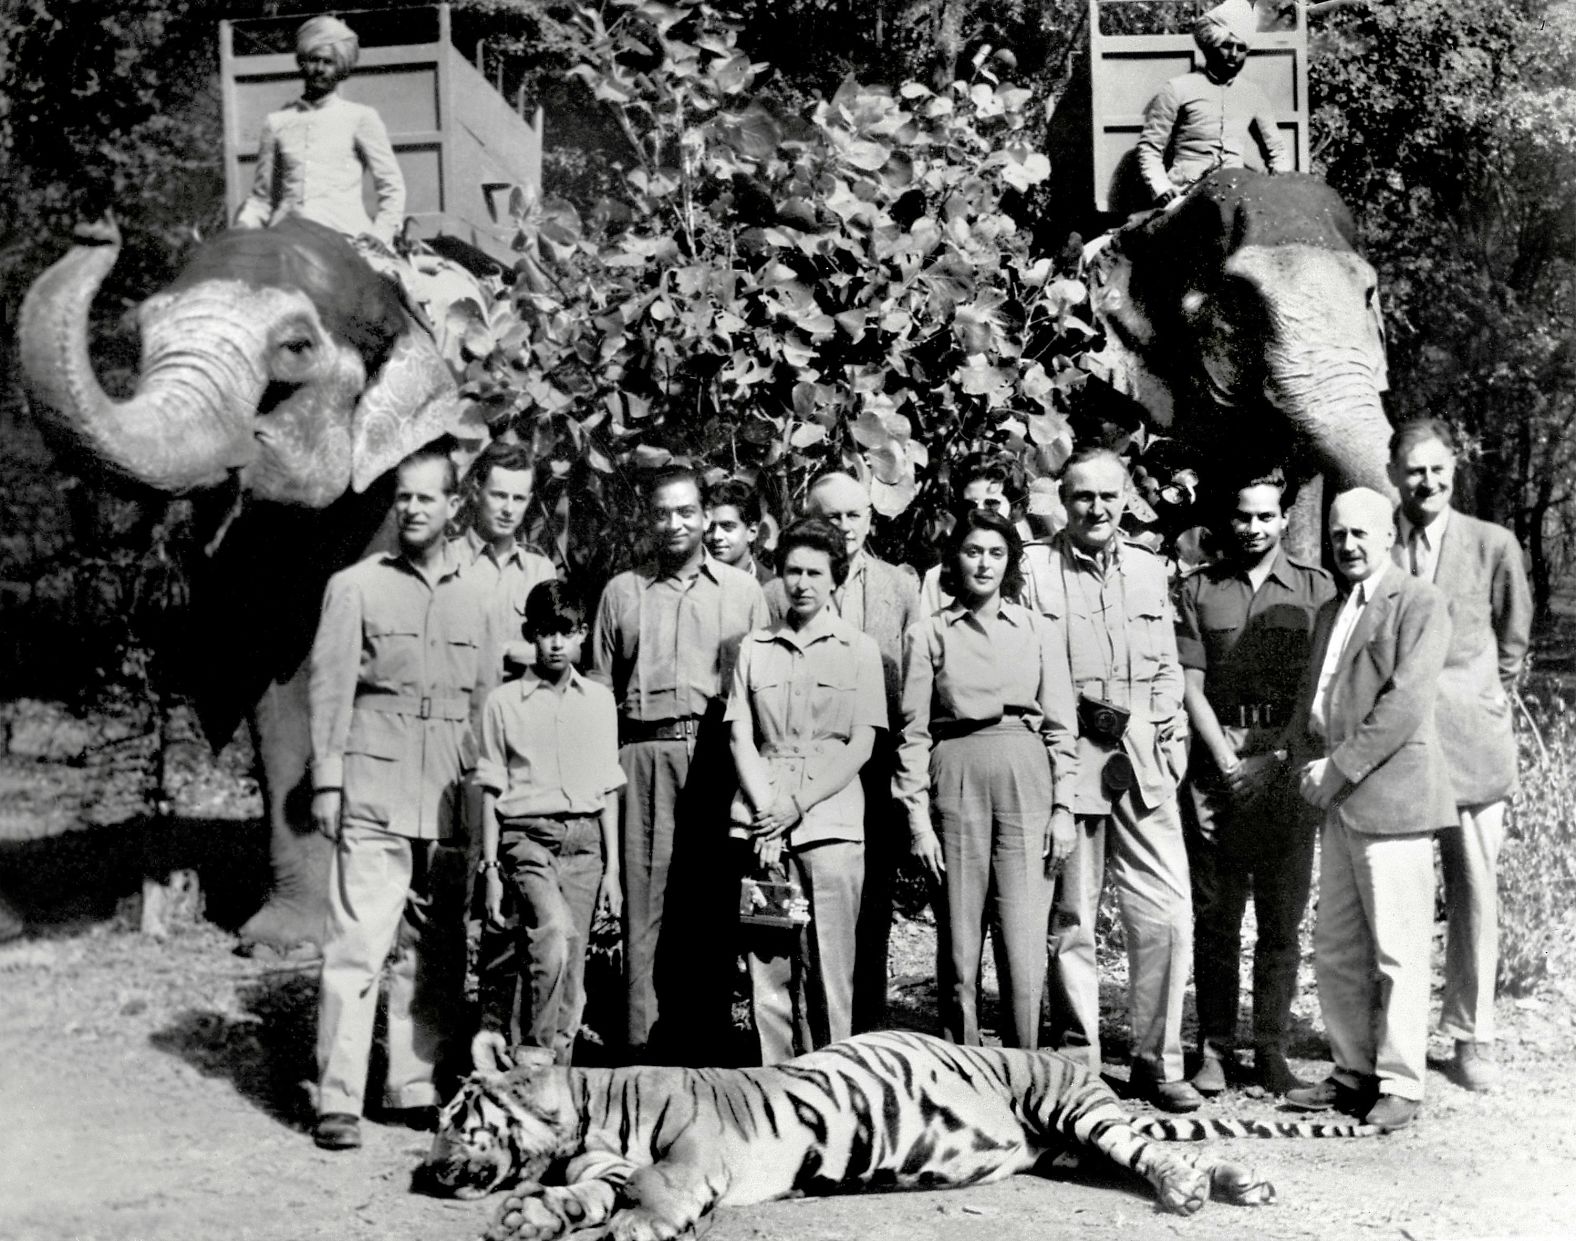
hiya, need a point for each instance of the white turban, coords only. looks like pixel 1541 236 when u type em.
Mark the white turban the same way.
pixel 1233 19
pixel 333 35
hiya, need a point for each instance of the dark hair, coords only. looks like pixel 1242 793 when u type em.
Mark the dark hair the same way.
pixel 819 535
pixel 740 495
pixel 1275 477
pixel 983 519
pixel 500 456
pixel 1419 429
pixel 1088 456
pixel 441 449
pixel 973 469
pixel 552 607
pixel 667 476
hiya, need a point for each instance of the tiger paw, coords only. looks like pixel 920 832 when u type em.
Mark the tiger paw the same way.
pixel 1231 1182
pixel 524 1219
pixel 640 1224
pixel 1184 1190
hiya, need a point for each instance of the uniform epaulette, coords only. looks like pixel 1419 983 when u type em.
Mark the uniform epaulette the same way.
pixel 1308 565
pixel 1128 541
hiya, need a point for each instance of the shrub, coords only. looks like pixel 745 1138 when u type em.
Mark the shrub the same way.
pixel 1537 869
pixel 773 292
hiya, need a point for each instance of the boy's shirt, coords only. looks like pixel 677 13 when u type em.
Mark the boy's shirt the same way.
pixel 545 752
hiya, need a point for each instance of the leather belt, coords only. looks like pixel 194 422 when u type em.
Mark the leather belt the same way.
pixel 947 730
pixel 685 729
pixel 425 708
pixel 1254 715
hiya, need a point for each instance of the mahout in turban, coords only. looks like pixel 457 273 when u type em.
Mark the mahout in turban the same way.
pixel 1233 19
pixel 332 35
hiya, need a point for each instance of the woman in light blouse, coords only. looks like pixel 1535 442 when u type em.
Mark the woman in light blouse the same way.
pixel 314 151
pixel 807 700
pixel 989 743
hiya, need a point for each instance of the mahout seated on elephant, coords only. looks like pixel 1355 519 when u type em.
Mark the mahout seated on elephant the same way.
pixel 1247 324
pixel 280 368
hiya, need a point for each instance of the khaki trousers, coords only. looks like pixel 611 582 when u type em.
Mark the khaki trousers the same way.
pixel 656 772
pixel 992 794
pixel 384 897
pixel 1148 864
pixel 802 984
pixel 1371 948
pixel 1469 857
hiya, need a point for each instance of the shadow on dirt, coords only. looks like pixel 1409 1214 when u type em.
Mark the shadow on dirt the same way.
pixel 265 1050
pixel 82 877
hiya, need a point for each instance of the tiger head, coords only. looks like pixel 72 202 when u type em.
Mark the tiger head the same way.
pixel 508 1123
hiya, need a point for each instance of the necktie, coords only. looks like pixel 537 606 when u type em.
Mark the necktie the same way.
pixel 1415 550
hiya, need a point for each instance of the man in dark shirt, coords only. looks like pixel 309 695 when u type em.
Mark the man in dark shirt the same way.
pixel 1243 630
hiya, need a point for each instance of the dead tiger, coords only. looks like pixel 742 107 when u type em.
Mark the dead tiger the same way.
pixel 645 1152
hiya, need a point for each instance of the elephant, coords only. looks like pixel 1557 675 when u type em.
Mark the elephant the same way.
pixel 281 371
pixel 1245 322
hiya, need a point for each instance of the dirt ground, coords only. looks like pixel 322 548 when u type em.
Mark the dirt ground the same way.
pixel 153 1092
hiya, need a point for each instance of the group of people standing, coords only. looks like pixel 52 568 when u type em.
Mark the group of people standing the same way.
pixel 1034 718
pixel 1044 721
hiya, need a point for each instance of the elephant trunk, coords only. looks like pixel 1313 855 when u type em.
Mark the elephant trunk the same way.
pixel 188 423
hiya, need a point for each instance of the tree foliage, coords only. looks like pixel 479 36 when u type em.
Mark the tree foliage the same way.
pixel 774 293
pixel 1451 129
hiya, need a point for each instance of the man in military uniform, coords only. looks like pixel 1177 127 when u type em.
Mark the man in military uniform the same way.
pixel 1110 600
pixel 665 642
pixel 882 600
pixel 398 671
pixel 1243 631
pixel 502 480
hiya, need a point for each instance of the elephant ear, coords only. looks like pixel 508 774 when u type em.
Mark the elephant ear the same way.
pixel 411 401
pixel 1128 333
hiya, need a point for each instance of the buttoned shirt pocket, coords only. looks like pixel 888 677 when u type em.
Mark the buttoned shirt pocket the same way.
pixel 1151 636
pixel 396 651
pixel 377 743
pixel 462 666
pixel 832 700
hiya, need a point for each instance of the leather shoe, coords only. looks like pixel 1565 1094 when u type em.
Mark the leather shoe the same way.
pixel 1325 1095
pixel 1211 1076
pixel 1472 1070
pixel 337 1131
pixel 1275 1075
pixel 1392 1112
pixel 1175 1097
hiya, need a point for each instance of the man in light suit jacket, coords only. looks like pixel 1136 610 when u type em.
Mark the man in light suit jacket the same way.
pixel 882 600
pixel 1478 566
pixel 1368 708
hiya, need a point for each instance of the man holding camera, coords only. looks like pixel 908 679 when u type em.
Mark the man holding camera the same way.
pixel 1110 600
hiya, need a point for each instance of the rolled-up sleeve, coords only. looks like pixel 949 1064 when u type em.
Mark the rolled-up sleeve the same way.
pixel 870 709
pixel 492 763
pixel 334 670
pixel 1191 651
pixel 911 783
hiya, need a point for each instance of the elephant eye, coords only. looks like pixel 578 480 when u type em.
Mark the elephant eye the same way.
pixel 296 344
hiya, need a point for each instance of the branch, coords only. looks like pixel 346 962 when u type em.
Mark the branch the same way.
pixel 1329 6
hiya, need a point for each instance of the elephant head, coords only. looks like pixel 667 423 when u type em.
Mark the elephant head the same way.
pixel 278 356
pixel 1246 321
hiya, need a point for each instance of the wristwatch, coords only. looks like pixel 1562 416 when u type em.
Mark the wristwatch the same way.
pixel 483 867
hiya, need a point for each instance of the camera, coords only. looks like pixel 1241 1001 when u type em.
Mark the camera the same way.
pixel 1102 721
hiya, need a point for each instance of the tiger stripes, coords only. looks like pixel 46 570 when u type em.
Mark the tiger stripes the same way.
pixel 645 1152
